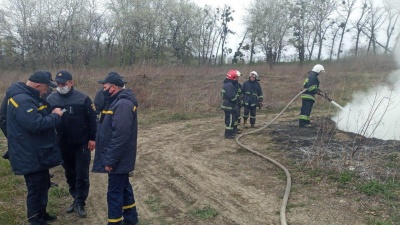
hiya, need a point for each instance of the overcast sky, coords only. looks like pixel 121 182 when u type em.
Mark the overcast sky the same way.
pixel 240 6
pixel 236 26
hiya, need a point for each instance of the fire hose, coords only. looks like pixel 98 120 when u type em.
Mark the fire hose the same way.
pixel 282 213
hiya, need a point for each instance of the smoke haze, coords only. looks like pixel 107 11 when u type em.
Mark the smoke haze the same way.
pixel 375 113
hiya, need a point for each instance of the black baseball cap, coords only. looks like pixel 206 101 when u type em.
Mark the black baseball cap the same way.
pixel 113 78
pixel 42 77
pixel 63 76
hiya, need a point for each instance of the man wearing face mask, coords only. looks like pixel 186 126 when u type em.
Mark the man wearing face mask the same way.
pixel 116 144
pixel 76 136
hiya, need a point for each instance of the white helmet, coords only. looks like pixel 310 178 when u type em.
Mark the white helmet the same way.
pixel 253 73
pixel 318 68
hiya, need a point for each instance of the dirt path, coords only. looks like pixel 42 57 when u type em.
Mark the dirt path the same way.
pixel 186 166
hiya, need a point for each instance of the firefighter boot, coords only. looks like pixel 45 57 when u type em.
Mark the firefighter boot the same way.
pixel 236 130
pixel 229 134
pixel 244 123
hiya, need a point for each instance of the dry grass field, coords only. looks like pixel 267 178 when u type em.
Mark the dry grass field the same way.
pixel 187 173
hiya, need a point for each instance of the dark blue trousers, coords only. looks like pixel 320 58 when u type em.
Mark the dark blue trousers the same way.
pixel 38 184
pixel 121 200
pixel 230 120
pixel 76 169
pixel 305 112
pixel 252 111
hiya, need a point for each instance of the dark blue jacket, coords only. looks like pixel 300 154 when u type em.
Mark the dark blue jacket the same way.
pixel 230 95
pixel 78 123
pixel 311 83
pixel 252 93
pixel 31 131
pixel 116 139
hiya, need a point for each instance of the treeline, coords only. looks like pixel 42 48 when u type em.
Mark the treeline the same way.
pixel 80 33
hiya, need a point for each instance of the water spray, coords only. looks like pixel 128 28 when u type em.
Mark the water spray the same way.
pixel 337 105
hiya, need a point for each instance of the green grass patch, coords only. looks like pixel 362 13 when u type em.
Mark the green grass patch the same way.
pixel 374 221
pixel 344 177
pixel 58 196
pixel 204 213
pixel 387 189
pixel 58 192
pixel 154 203
pixel 12 196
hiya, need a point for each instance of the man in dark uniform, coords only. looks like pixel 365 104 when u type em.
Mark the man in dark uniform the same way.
pixel 76 137
pixel 253 97
pixel 308 97
pixel 230 98
pixel 32 143
pixel 116 143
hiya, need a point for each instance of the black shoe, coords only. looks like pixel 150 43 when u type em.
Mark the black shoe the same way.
pixel 5 155
pixel 80 209
pixel 230 137
pixel 70 209
pixel 48 218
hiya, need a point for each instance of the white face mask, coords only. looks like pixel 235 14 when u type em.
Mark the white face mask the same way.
pixel 63 90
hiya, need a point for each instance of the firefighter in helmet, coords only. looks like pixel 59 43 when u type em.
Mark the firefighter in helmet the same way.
pixel 230 98
pixel 253 97
pixel 308 97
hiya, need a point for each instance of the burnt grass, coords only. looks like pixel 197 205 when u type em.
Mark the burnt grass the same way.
pixel 323 146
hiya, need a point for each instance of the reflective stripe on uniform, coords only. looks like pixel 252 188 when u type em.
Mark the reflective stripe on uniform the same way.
pixel 230 123
pixel 303 117
pixel 13 102
pixel 307 96
pixel 226 107
pixel 115 220
pixel 312 88
pixel 42 107
pixel 107 112
pixel 305 81
pixel 129 206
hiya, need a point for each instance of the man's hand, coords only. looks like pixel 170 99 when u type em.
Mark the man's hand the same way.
pixel 108 168
pixel 57 111
pixel 91 145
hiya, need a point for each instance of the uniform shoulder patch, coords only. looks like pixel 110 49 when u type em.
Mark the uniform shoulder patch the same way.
pixel 93 107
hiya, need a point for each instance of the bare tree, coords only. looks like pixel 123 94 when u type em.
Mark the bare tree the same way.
pixel 375 22
pixel 392 16
pixel 320 11
pixel 18 15
pixel 360 23
pixel 301 27
pixel 345 11
pixel 225 17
